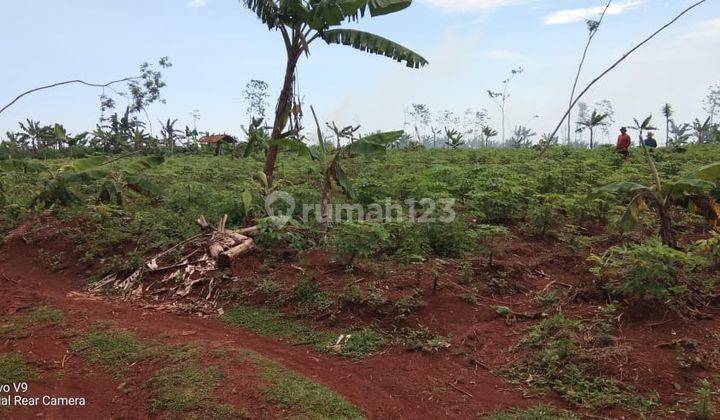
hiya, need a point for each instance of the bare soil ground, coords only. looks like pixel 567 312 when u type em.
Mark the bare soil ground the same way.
pixel 459 382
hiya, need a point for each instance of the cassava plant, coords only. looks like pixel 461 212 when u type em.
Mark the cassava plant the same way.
pixel 301 22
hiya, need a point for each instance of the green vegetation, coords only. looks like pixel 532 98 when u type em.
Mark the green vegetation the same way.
pixel 541 412
pixel 557 355
pixel 39 316
pixel 14 369
pixel 115 351
pixel 288 389
pixel 275 324
pixel 184 388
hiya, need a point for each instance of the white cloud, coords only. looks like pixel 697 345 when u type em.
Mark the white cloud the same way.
pixel 197 4
pixel 707 29
pixel 577 15
pixel 471 5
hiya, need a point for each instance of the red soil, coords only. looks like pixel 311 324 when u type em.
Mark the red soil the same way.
pixel 394 384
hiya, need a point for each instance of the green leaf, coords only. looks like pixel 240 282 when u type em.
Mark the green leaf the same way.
pixel 336 172
pixel 85 164
pixel 142 186
pixel 324 14
pixel 374 143
pixel 624 188
pixel 687 186
pixel 266 10
pixel 296 146
pixel 144 163
pixel 84 176
pixel 247 201
pixel 374 44
pixel 631 215
pixel 502 310
pixel 707 173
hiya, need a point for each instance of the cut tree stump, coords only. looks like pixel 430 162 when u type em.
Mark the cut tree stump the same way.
pixel 226 258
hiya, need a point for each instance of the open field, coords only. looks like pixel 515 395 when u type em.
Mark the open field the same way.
pixel 532 302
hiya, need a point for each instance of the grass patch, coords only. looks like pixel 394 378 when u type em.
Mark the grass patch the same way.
pixel 39 316
pixel 422 339
pixel 115 351
pixel 362 343
pixel 290 390
pixel 556 358
pixel 274 324
pixel 14 369
pixel 541 412
pixel 184 388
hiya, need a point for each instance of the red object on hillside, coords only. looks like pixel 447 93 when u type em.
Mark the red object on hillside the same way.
pixel 623 142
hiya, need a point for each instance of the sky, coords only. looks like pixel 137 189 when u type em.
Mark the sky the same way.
pixel 217 46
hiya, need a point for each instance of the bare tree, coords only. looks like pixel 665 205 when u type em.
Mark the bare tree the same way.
pixel 500 98
pixel 593 27
pixel 617 63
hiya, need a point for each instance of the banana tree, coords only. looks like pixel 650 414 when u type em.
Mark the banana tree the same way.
pixel 703 130
pixel 680 134
pixel 330 159
pixel 694 187
pixel 667 112
pixel 170 134
pixel 300 23
pixel 57 188
pixel 488 133
pixel 454 139
pixel 661 197
pixel 591 122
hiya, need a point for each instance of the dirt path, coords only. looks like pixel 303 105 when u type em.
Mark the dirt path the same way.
pixel 396 384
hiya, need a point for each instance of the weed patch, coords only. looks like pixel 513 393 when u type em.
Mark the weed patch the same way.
pixel 37 317
pixel 115 351
pixel 273 324
pixel 290 390
pixel 14 369
pixel 556 358
pixel 184 388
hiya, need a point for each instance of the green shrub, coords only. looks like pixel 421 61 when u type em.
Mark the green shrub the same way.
pixel 275 234
pixel 410 243
pixel 353 240
pixel 453 239
pixel 547 212
pixel 491 240
pixel 649 269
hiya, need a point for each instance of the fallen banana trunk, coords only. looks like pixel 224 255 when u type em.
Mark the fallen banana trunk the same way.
pixel 226 259
pixel 226 245
pixel 186 267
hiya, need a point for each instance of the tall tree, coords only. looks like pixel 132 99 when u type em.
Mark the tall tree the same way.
pixel 620 60
pixel 667 112
pixel 301 23
pixel 500 97
pixel 593 26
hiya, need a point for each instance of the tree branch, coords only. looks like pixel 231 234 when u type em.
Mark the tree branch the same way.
pixel 582 62
pixel 127 79
pixel 626 55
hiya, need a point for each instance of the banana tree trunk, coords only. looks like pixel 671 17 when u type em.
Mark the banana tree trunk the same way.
pixel 325 201
pixel 666 232
pixel 282 114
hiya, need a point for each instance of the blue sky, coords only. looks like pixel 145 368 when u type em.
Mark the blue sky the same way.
pixel 216 46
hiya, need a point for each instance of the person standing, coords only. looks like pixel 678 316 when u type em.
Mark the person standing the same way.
pixel 650 141
pixel 623 143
